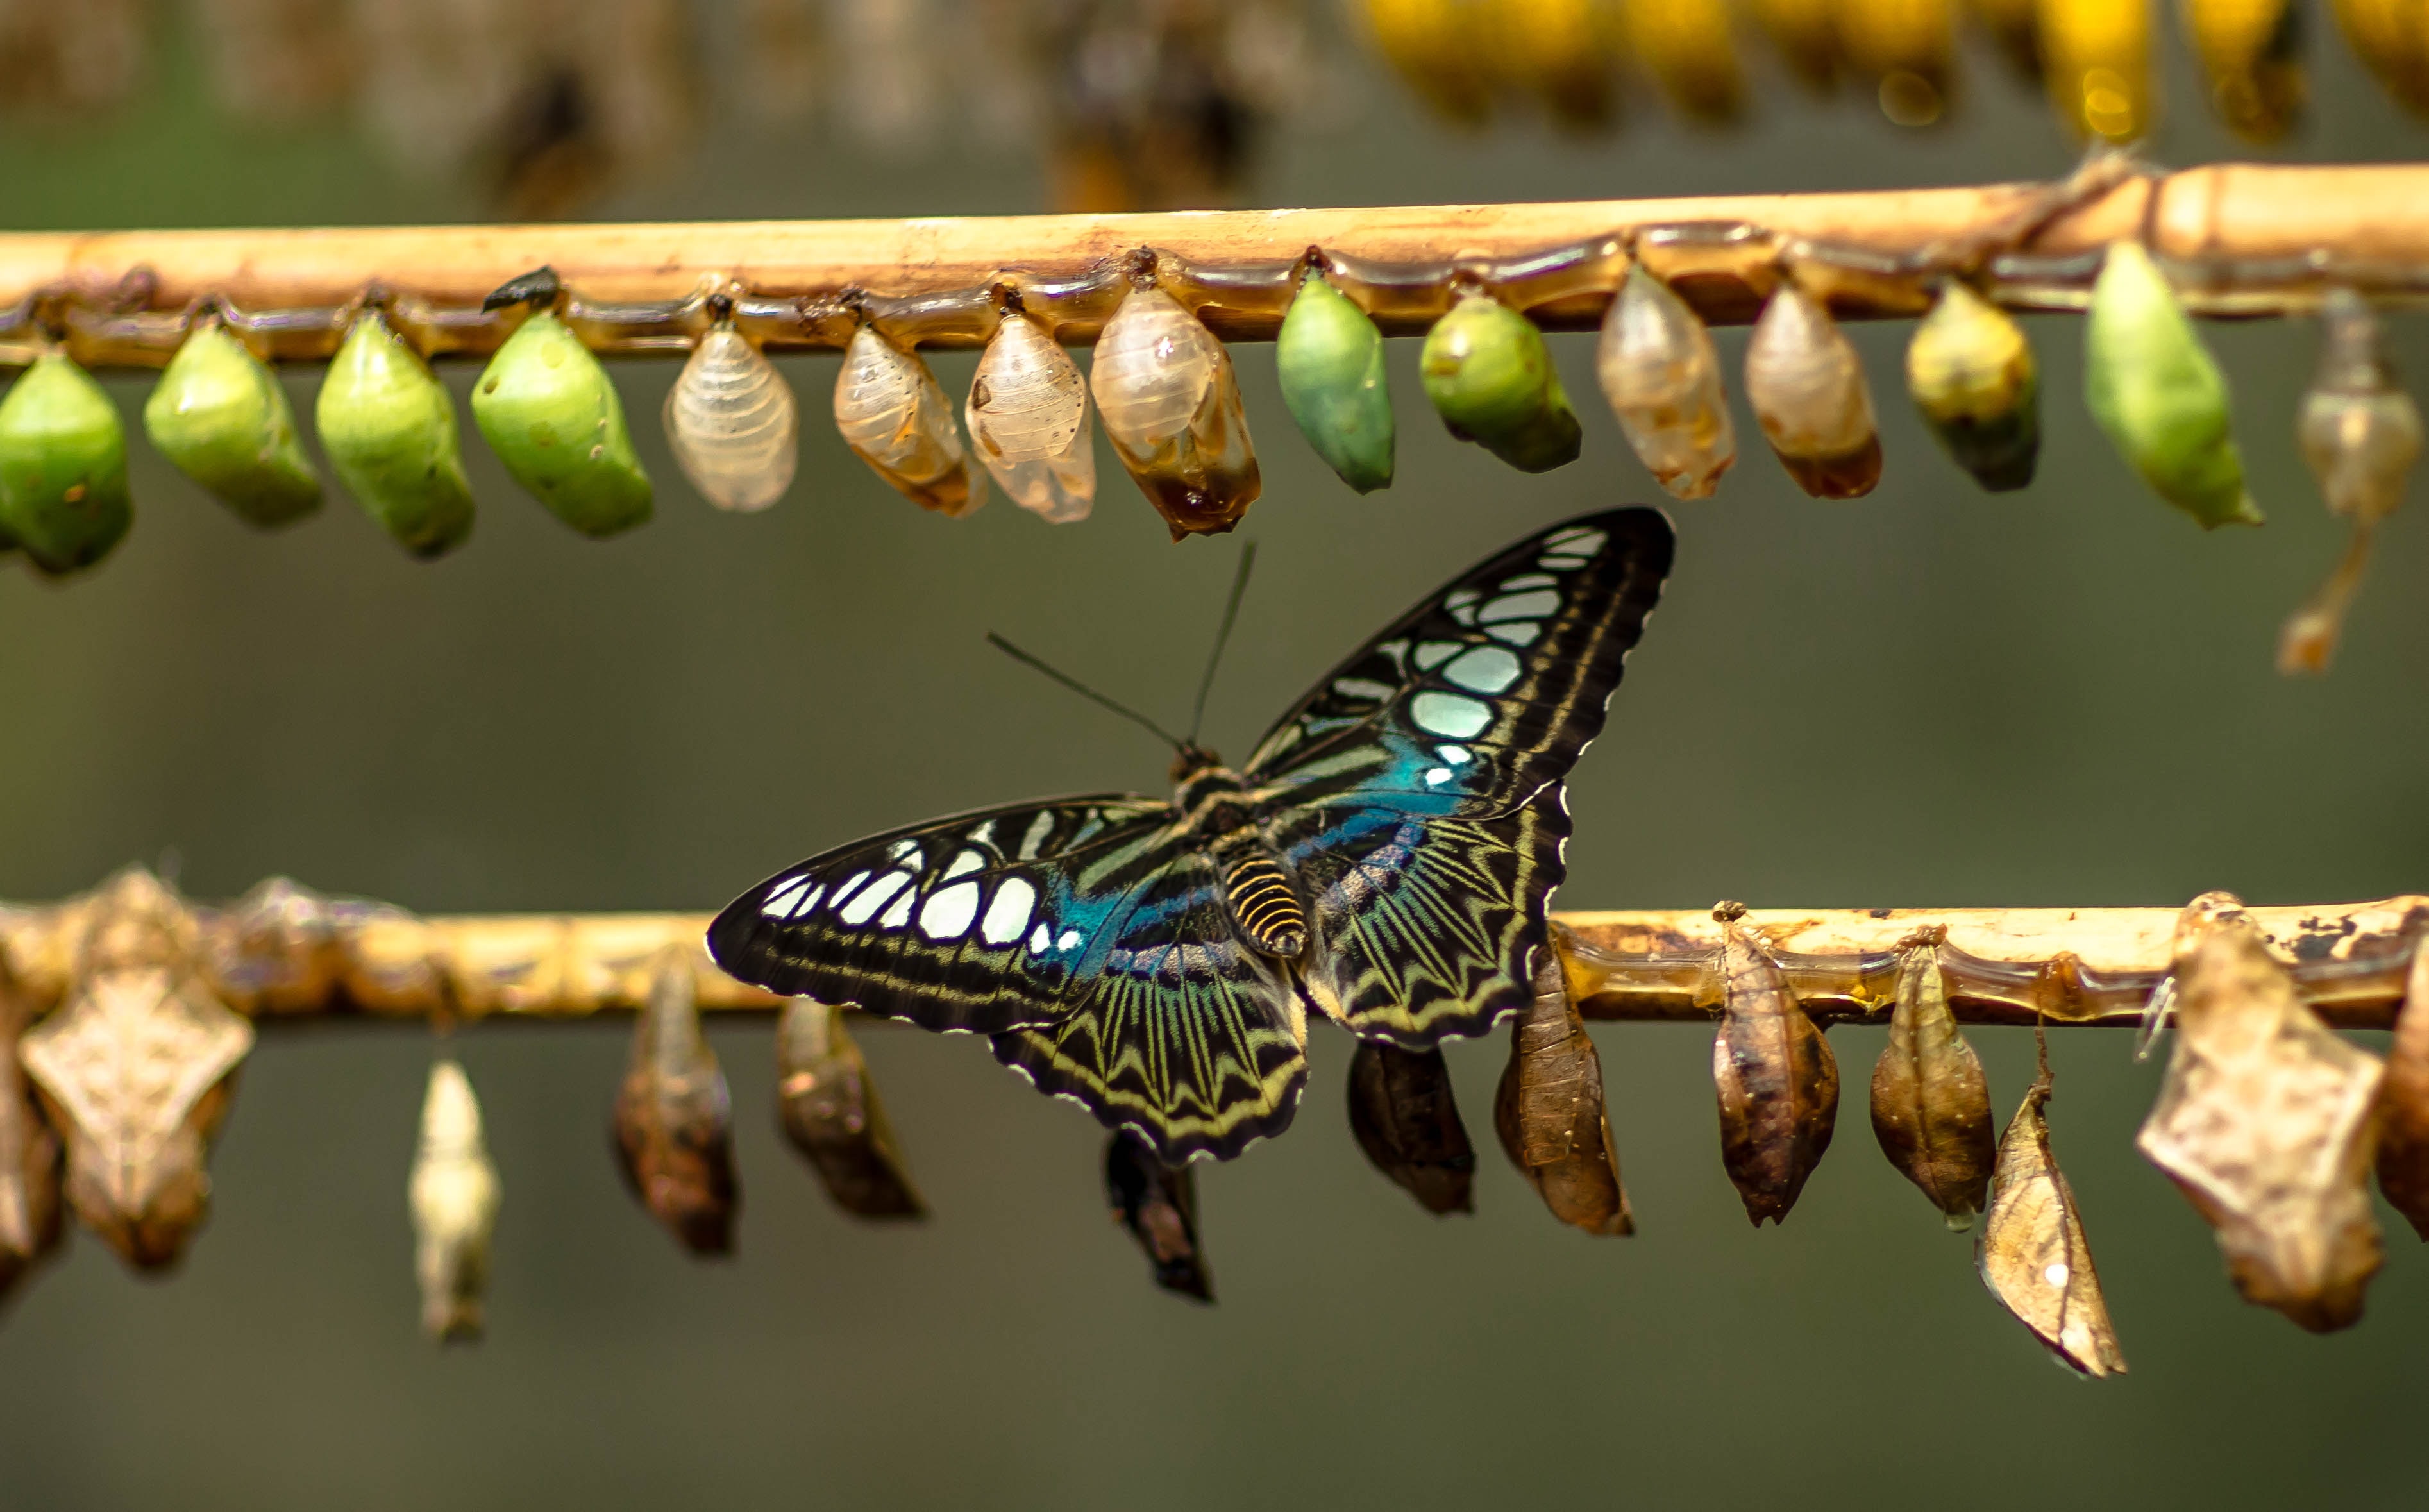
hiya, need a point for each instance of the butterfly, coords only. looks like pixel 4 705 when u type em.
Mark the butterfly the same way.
pixel 1385 859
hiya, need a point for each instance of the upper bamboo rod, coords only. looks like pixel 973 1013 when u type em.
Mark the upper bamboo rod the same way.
pixel 282 951
pixel 2246 237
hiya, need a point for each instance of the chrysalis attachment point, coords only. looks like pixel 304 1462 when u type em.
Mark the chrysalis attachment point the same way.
pixel 829 1109
pixel 1403 1115
pixel 1931 1106
pixel 222 417
pixel 389 426
pixel 1663 377
pixel 2033 1255
pixel 2158 392
pixel 1973 376
pixel 893 415
pixel 673 1120
pixel 1548 1110
pixel 1807 386
pixel 453 1195
pixel 1158 1204
pixel 1029 421
pixel 1777 1081
pixel 1164 388
pixel 732 423
pixel 62 466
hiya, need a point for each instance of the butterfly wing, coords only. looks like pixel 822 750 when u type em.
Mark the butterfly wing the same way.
pixel 1082 934
pixel 1417 789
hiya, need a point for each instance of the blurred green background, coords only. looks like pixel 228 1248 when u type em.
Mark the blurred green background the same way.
pixel 1927 697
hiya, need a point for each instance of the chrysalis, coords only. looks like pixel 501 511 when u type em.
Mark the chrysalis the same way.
pixel 731 422
pixel 2096 59
pixel 1492 380
pixel 2251 51
pixel 1435 46
pixel 2265 1122
pixel 1664 380
pixel 1906 48
pixel 550 412
pixel 222 416
pixel 1807 41
pixel 1548 1111
pixel 892 413
pixel 1403 1115
pixel 2404 1102
pixel 2361 434
pixel 1931 1108
pixel 62 466
pixel 673 1120
pixel 830 1111
pixel 1563 52
pixel 1027 418
pixel 1777 1081
pixel 135 1070
pixel 1807 390
pixel 1973 376
pixel 1171 406
pixel 453 1194
pixel 2158 394
pixel 2032 1253
pixel 1329 358
pixel 1158 1204
pixel 2391 37
pixel 2015 29
pixel 30 1154
pixel 389 429
pixel 1686 46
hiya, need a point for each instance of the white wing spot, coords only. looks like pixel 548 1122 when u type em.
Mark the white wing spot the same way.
pixel 779 904
pixel 1039 829
pixel 1483 669
pixel 1434 653
pixel 965 864
pixel 1556 563
pixel 948 911
pixel 1456 755
pixel 1447 713
pixel 1540 604
pixel 907 852
pixel 1039 939
pixel 1517 631
pixel 843 894
pixel 873 898
pixel 1437 777
pixel 900 914
pixel 1529 580
pixel 1359 688
pixel 1579 540
pixel 1068 939
pixel 1008 915
pixel 2057 1275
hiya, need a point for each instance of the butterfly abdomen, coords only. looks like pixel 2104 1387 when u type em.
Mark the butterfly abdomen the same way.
pixel 1265 904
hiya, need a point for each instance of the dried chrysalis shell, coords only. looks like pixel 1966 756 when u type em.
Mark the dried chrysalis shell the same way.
pixel 1972 373
pixel 2266 1121
pixel 892 413
pixel 1403 1115
pixel 2158 394
pixel 2095 57
pixel 1027 418
pixel 2360 433
pixel 1548 1110
pixel 62 466
pixel 30 1154
pixel 1807 390
pixel 221 415
pixel 2404 1102
pixel 1158 1204
pixel 2032 1253
pixel 1329 358
pixel 453 1195
pixel 389 426
pixel 1686 46
pixel 673 1120
pixel 829 1108
pixel 1492 380
pixel 137 1069
pixel 551 412
pixel 731 422
pixel 1664 380
pixel 1164 388
pixel 2251 51
pixel 1931 1106
pixel 1777 1081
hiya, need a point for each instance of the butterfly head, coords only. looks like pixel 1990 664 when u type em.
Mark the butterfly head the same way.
pixel 1189 759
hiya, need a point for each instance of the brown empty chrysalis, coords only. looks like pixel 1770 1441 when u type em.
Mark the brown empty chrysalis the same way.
pixel 135 1070
pixel 1777 1081
pixel 2264 1121
pixel 2404 1103
pixel 1931 1108
pixel 673 1120
pixel 1158 1204
pixel 829 1109
pixel 30 1154
pixel 1404 1117
pixel 2032 1253
pixel 1548 1109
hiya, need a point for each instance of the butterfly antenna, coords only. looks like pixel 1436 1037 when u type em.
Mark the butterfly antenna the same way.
pixel 1082 689
pixel 1222 637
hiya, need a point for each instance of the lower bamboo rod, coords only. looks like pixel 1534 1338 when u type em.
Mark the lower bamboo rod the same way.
pixel 284 952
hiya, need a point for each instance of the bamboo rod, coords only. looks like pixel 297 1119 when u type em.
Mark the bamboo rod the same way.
pixel 2246 238
pixel 284 952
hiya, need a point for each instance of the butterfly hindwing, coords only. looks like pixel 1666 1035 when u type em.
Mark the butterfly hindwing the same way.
pixel 1416 791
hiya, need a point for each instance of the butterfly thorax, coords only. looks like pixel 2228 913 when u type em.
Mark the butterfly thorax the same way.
pixel 1258 890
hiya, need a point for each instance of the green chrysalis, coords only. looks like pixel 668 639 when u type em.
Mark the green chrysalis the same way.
pixel 1330 359
pixel 1973 376
pixel 62 466
pixel 389 429
pixel 1491 378
pixel 2158 393
pixel 550 411
pixel 220 414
